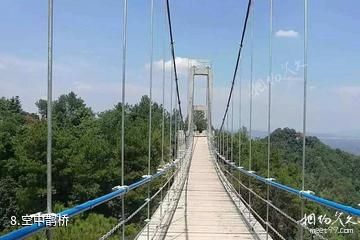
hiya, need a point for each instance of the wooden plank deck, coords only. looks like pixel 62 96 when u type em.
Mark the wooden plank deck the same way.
pixel 205 210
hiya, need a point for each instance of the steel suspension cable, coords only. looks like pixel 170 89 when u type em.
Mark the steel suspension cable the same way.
pixel 232 129
pixel 251 93
pixel 223 143
pixel 163 91
pixel 220 142
pixel 150 108
pixel 237 63
pixel 269 114
pixel 171 110
pixel 227 136
pixel 49 111
pixel 124 50
pixel 173 57
pixel 175 130
pixel 304 107
pixel 240 127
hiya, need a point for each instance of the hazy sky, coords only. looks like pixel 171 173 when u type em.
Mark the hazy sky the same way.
pixel 88 41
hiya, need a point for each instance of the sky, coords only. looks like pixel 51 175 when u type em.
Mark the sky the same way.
pixel 88 56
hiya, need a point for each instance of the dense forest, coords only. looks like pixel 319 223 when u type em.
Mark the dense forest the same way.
pixel 86 160
pixel 86 164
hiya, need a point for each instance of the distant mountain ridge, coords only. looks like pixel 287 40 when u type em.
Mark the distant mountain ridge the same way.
pixel 345 144
pixel 346 141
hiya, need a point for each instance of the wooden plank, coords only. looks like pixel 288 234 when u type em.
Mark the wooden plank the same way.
pixel 205 210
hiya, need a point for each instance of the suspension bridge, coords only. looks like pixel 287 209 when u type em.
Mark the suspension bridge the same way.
pixel 204 193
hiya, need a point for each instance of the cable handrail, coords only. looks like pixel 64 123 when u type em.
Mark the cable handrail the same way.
pixel 71 212
pixel 121 223
pixel 303 194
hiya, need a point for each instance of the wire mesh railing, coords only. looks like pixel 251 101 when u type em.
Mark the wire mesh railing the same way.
pixel 236 178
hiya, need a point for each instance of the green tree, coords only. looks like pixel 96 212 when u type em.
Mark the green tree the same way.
pixel 200 121
pixel 9 206
pixel 11 120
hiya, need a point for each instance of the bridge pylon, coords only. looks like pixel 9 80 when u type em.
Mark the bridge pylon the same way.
pixel 200 68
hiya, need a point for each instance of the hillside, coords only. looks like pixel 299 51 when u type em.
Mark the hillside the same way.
pixel 330 173
pixel 86 160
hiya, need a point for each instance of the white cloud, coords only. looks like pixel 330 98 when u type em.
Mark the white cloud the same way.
pixel 100 87
pixel 287 33
pixel 27 78
pixel 182 65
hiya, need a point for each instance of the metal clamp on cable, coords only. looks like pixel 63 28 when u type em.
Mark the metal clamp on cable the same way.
pixel 302 192
pixel 177 162
pixel 270 179
pixel 116 188
pixel 146 176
